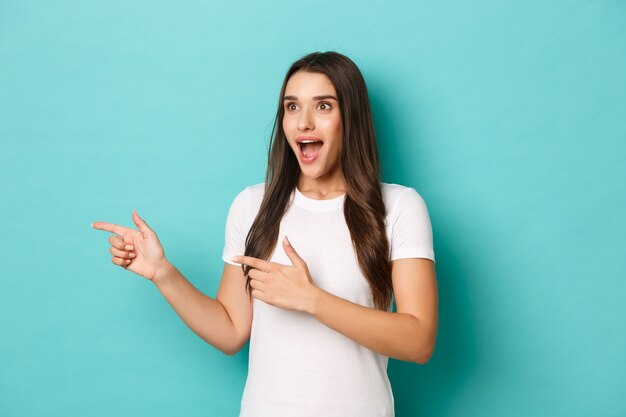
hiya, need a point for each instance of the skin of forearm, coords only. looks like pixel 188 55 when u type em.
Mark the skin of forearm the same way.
pixel 206 316
pixel 396 335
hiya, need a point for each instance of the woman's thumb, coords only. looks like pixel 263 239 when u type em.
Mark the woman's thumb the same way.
pixel 140 223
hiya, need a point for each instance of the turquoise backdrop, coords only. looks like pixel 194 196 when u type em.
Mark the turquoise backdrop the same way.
pixel 508 117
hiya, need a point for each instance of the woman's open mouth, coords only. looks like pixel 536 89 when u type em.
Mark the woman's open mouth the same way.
pixel 309 149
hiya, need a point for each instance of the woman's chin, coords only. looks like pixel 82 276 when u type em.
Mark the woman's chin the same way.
pixel 310 172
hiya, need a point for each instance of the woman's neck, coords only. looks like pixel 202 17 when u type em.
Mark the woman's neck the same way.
pixel 322 188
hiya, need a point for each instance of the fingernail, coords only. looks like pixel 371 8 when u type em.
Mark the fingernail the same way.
pixel 235 259
pixel 132 255
pixel 287 241
pixel 128 247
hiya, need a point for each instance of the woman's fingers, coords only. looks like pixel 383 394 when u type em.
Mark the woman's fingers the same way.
pixel 110 227
pixel 122 253
pixel 118 242
pixel 121 257
pixel 257 263
pixel 257 274
pixel 120 261
pixel 141 223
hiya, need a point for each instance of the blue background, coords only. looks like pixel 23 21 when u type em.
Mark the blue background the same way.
pixel 508 117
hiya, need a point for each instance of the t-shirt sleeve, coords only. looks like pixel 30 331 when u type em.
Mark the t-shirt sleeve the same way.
pixel 412 235
pixel 236 227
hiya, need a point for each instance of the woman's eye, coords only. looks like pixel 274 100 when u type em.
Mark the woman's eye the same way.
pixel 325 106
pixel 291 106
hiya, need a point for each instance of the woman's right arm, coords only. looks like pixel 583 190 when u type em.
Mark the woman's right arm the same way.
pixel 224 322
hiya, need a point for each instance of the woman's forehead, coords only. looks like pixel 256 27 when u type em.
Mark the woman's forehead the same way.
pixel 304 85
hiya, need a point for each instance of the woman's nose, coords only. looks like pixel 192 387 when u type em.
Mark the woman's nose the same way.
pixel 305 121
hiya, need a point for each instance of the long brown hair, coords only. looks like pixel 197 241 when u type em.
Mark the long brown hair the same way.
pixel 364 209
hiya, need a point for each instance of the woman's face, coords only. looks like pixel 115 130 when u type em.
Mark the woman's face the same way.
pixel 312 124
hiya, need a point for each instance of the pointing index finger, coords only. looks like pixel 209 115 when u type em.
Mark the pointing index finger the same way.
pixel 110 227
pixel 256 263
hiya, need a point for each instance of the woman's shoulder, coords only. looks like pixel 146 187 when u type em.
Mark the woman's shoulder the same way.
pixel 393 194
pixel 393 191
pixel 252 193
pixel 247 201
pixel 256 189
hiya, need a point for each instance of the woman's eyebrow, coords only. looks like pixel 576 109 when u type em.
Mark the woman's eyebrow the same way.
pixel 316 98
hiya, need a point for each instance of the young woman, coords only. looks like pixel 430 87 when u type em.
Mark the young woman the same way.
pixel 314 258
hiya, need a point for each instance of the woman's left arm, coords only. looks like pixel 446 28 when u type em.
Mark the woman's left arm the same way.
pixel 409 334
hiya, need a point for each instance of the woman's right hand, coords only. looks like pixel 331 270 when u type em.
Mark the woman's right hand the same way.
pixel 139 251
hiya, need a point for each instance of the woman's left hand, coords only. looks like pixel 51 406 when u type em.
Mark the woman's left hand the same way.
pixel 286 286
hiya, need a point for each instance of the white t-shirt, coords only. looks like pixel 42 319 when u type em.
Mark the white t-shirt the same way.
pixel 298 366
